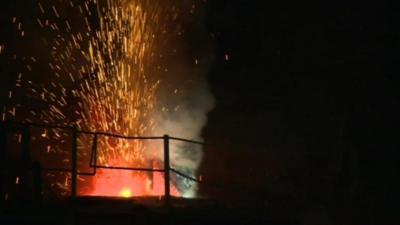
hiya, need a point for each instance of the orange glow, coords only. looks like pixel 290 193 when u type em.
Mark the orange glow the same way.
pixel 122 183
pixel 126 193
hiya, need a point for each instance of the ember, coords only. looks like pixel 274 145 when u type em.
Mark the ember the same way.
pixel 108 63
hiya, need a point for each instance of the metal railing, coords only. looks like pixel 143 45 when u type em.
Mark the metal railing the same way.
pixel 24 129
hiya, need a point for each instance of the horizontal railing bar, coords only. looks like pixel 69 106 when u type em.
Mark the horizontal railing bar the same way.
pixel 87 173
pixel 121 136
pixel 123 168
pixel 186 140
pixel 90 132
pixel 184 175
pixel 104 167
pixel 129 168
pixel 108 134
pixel 57 169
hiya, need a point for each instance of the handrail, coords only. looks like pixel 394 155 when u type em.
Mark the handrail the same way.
pixel 50 126
pixel 93 156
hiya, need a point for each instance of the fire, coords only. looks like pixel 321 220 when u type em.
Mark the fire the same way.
pixel 118 183
pixel 126 193
pixel 121 97
pixel 106 65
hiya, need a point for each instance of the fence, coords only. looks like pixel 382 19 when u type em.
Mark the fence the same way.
pixel 25 160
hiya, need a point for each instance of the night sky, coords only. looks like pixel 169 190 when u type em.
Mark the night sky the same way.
pixel 307 106
pixel 308 103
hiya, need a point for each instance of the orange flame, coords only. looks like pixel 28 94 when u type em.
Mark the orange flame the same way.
pixel 122 183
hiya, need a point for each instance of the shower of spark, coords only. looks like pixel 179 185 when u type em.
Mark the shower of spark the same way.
pixel 105 61
pixel 118 97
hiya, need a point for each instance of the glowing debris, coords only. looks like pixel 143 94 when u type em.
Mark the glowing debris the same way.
pixel 226 57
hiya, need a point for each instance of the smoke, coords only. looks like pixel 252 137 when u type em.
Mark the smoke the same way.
pixel 184 96
pixel 99 65
pixel 186 121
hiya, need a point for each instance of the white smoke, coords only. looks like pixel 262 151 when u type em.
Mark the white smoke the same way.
pixel 184 97
pixel 186 121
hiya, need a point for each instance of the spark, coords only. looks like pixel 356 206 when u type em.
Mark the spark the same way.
pixel 103 74
pixel 226 57
pixel 41 8
pixel 105 78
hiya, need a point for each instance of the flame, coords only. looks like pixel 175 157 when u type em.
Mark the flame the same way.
pixel 118 183
pixel 121 97
pixel 126 193
pixel 106 78
pixel 125 183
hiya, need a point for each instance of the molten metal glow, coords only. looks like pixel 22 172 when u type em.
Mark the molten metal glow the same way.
pixel 126 193
pixel 128 184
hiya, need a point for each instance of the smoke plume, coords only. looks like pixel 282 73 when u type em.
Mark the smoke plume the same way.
pixel 184 96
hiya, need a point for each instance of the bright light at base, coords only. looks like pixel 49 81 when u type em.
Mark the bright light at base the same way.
pixel 126 193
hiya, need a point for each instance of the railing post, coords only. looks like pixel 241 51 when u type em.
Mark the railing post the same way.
pixel 74 171
pixel 167 192
pixel 95 153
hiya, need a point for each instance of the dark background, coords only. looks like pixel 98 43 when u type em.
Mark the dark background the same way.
pixel 308 105
pixel 306 116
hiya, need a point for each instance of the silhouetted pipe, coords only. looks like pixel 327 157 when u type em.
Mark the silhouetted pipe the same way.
pixel 167 192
